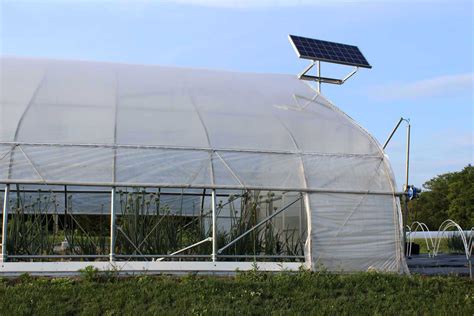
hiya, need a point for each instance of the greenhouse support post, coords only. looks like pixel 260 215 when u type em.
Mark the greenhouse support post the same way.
pixel 112 225
pixel 214 228
pixel 5 223
pixel 66 217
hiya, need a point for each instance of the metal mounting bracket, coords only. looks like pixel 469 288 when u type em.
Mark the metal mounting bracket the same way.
pixel 319 79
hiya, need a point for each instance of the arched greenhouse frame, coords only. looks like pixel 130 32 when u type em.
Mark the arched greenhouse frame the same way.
pixel 159 169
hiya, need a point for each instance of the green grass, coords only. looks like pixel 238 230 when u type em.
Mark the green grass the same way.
pixel 443 246
pixel 249 293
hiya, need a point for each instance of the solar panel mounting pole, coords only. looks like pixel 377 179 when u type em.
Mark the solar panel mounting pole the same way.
pixel 318 63
pixel 407 171
pixel 407 165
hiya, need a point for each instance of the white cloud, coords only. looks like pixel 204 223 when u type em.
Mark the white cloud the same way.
pixel 437 86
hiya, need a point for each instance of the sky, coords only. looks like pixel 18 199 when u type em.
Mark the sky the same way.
pixel 421 52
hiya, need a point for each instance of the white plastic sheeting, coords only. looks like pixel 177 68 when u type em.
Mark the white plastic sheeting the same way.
pixel 88 123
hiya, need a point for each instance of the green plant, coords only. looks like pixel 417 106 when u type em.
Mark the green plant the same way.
pixel 456 244
pixel 89 274
pixel 29 228
pixel 256 293
pixel 265 240
pixel 86 234
pixel 146 226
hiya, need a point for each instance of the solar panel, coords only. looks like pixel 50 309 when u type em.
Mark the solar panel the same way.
pixel 331 52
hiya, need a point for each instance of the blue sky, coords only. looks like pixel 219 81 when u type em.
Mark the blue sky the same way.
pixel 421 53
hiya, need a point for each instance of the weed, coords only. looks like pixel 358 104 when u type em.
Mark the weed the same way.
pixel 89 273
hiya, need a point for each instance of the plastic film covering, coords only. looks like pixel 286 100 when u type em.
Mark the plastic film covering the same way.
pixel 356 232
pixel 103 124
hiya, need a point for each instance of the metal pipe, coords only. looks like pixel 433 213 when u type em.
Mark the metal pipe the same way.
pixel 350 74
pixel 3 257
pixel 187 186
pixel 163 256
pixel 148 256
pixel 187 248
pixel 112 226
pixel 319 75
pixel 206 149
pixel 261 257
pixel 108 192
pixel 308 249
pixel 407 166
pixel 266 219
pixel 308 68
pixel 407 169
pixel 393 132
pixel 56 256
pixel 66 224
pixel 214 226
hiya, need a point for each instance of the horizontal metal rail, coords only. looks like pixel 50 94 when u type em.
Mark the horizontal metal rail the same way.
pixel 217 187
pixel 163 256
pixel 322 79
pixel 260 257
pixel 56 256
pixel 206 149
pixel 108 192
pixel 151 256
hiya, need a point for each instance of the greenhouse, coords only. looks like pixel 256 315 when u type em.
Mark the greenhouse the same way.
pixel 160 169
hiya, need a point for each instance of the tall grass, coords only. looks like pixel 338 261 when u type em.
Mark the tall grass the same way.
pixel 266 240
pixel 28 230
pixel 86 234
pixel 145 226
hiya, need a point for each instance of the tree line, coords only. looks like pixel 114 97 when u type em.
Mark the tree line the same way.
pixel 447 196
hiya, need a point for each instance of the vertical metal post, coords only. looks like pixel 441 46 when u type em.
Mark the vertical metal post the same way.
pixel 66 206
pixel 201 212
pixel 407 170
pixel 407 167
pixel 214 226
pixel 3 258
pixel 308 243
pixel 405 197
pixel 318 63
pixel 112 226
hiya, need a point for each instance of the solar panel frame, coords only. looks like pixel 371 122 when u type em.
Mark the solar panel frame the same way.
pixel 332 52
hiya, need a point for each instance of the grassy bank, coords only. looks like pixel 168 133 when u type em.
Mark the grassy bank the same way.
pixel 254 292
